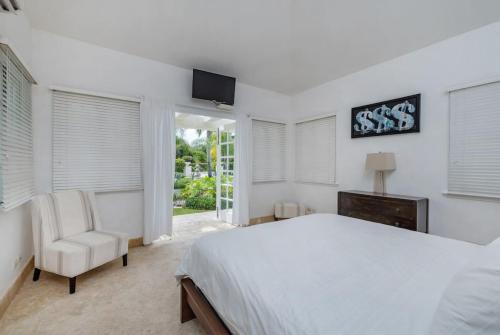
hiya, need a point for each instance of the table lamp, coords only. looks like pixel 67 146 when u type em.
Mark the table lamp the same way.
pixel 380 162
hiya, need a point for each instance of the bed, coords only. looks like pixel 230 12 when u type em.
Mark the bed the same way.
pixel 318 274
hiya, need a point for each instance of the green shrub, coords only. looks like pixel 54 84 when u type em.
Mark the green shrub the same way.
pixel 200 193
pixel 179 165
pixel 200 187
pixel 199 156
pixel 181 183
pixel 201 202
pixel 188 158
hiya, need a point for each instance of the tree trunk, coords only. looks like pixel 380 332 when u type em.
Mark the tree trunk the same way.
pixel 209 158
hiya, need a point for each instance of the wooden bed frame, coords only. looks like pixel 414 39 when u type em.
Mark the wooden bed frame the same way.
pixel 195 305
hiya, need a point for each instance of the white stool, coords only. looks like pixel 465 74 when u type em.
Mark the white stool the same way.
pixel 287 210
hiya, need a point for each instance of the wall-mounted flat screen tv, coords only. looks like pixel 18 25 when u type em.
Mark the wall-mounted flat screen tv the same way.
pixel 213 87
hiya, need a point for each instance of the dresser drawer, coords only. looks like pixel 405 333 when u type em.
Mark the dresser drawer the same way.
pixel 397 212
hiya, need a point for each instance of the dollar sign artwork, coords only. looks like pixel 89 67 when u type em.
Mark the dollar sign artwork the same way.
pixel 366 125
pixel 402 112
pixel 384 123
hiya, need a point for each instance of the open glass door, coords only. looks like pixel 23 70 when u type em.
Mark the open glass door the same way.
pixel 225 174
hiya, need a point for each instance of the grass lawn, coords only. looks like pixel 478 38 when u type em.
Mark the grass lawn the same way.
pixel 184 211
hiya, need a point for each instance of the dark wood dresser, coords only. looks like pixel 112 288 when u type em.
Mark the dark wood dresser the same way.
pixel 395 210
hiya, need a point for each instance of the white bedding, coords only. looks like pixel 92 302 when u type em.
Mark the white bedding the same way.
pixel 324 274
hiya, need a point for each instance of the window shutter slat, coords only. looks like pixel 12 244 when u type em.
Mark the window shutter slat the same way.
pixel 16 140
pixel 315 151
pixel 96 143
pixel 474 156
pixel 269 151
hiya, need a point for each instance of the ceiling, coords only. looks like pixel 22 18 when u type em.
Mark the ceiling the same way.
pixel 281 45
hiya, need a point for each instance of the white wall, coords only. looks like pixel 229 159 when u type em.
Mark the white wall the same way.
pixel 421 158
pixel 66 62
pixel 15 225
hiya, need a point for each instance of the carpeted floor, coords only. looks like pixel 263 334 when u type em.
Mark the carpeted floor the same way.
pixel 142 298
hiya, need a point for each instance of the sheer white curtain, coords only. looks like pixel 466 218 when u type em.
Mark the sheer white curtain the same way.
pixel 242 170
pixel 158 140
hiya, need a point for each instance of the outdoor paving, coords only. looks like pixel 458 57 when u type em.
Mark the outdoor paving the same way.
pixel 193 225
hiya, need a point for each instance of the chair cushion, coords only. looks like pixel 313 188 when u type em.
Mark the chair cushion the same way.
pixel 82 252
pixel 72 212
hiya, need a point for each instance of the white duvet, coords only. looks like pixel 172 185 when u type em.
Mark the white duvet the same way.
pixel 324 274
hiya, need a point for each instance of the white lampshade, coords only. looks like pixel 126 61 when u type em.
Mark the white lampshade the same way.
pixel 382 161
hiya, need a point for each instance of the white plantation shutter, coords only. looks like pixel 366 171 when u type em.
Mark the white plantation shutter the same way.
pixel 16 148
pixel 269 151
pixel 315 151
pixel 474 157
pixel 96 143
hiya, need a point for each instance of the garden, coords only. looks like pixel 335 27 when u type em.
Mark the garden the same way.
pixel 195 183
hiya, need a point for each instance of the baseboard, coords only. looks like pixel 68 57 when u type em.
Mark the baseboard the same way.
pixel 135 242
pixel 16 285
pixel 262 219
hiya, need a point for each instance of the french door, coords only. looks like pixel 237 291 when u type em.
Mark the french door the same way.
pixel 225 174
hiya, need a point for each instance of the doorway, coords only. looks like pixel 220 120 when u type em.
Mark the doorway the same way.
pixel 204 174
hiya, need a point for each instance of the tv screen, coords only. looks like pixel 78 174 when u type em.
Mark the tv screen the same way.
pixel 213 87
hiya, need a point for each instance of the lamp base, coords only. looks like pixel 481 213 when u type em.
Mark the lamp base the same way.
pixel 379 182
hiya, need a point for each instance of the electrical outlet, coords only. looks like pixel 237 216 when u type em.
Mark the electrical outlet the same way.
pixel 17 262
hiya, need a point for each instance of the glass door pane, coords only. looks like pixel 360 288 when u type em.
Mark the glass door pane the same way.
pixel 225 174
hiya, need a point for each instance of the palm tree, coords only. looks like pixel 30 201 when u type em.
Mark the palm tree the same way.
pixel 209 147
pixel 209 158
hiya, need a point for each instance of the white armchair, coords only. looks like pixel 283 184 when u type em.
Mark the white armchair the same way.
pixel 68 236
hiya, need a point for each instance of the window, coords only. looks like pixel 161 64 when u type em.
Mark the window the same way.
pixel 16 141
pixel 474 156
pixel 315 151
pixel 269 151
pixel 96 143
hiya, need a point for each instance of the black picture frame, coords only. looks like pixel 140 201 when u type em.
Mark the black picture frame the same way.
pixel 388 117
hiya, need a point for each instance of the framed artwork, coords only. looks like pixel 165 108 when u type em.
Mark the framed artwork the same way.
pixel 396 116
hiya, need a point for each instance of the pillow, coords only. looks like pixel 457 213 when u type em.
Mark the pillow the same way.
pixel 471 302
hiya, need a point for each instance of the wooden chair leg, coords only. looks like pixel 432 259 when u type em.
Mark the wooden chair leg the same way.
pixel 36 274
pixel 72 285
pixel 124 258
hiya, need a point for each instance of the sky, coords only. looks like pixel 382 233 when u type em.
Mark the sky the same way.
pixel 190 135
